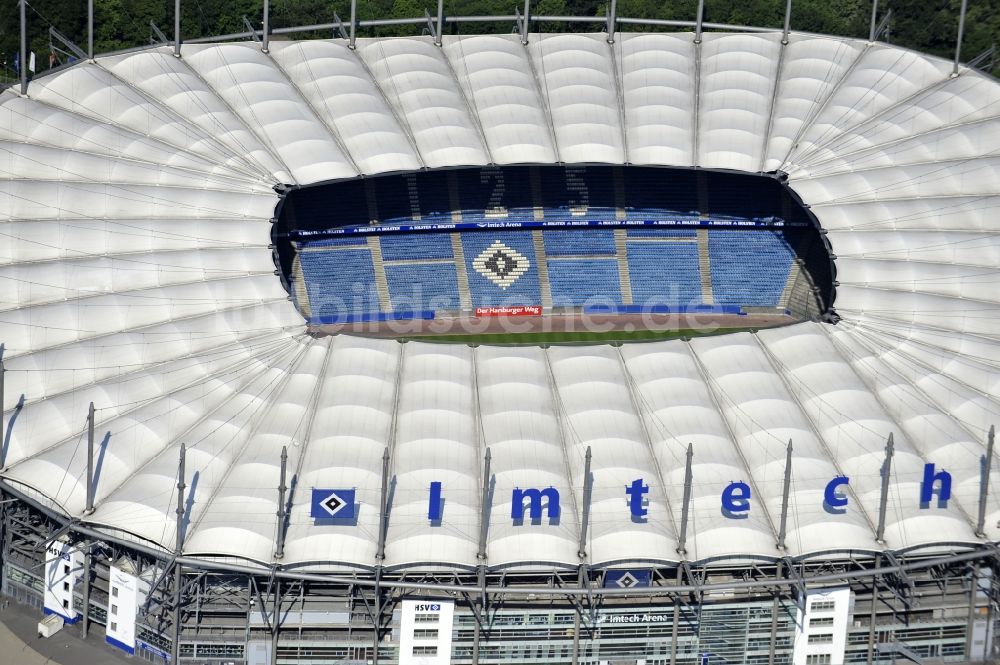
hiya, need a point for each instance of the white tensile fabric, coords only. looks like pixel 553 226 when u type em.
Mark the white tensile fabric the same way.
pixel 135 199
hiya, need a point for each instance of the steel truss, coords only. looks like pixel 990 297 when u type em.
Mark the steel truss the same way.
pixel 196 606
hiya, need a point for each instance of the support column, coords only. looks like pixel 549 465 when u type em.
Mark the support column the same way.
pixel 782 530
pixel 178 550
pixel 971 619
pixel 484 523
pixel 884 497
pixel 3 421
pixel 576 638
pixel 871 615
pixel 775 608
pixel 984 482
pixel 87 563
pixel 871 30
pixel 677 614
pixel 90 460
pixel 383 517
pixel 275 621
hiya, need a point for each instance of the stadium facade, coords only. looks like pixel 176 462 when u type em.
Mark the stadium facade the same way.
pixel 187 463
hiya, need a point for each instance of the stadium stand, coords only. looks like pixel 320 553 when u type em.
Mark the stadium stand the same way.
pixel 430 234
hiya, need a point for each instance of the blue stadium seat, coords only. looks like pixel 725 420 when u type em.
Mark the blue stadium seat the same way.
pixel 664 273
pixel 749 267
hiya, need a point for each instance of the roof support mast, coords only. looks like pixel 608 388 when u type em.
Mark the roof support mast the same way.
pixel 788 22
pixel 884 497
pixel 439 32
pixel 266 40
pixel 177 36
pixel 612 21
pixel 90 29
pixel 685 504
pixel 698 21
pixel 354 24
pixel 24 48
pixel 782 529
pixel 588 490
pixel 525 21
pixel 871 29
pixel 961 32
pixel 984 483
pixel 279 552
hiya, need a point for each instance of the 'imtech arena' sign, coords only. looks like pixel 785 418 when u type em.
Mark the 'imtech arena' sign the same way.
pixel 735 499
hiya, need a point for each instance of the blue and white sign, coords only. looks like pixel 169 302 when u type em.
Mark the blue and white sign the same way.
pixel 627 579
pixel 333 504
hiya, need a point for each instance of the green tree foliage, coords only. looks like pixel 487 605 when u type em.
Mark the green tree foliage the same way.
pixel 925 25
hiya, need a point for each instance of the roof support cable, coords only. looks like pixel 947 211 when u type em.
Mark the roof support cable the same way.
pixel 774 91
pixel 251 30
pixel 785 375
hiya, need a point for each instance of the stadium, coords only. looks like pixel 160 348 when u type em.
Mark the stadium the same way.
pixel 287 377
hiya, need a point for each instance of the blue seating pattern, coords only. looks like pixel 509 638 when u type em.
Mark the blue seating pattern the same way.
pixel 748 268
pixel 340 282
pixel 423 286
pixel 525 290
pixel 415 246
pixel 581 242
pixel 584 282
pixel 664 273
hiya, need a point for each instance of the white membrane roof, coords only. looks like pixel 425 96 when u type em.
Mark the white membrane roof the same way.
pixel 135 199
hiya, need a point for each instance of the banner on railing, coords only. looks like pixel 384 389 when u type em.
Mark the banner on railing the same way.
pixel 514 310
